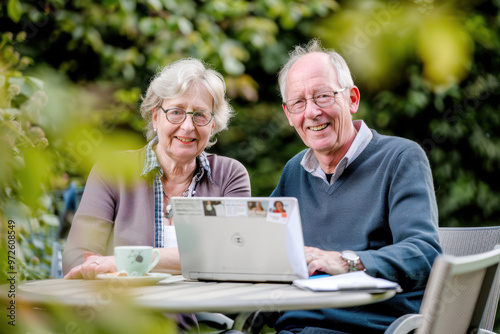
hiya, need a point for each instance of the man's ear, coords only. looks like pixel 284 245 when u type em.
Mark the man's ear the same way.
pixel 287 115
pixel 354 99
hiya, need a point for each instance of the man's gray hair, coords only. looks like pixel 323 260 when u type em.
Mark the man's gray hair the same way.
pixel 314 46
pixel 174 80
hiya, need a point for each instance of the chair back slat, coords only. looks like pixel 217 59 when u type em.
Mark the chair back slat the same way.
pixel 462 241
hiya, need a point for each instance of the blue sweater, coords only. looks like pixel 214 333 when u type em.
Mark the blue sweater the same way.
pixel 383 207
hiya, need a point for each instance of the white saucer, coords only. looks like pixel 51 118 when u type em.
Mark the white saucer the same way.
pixel 150 278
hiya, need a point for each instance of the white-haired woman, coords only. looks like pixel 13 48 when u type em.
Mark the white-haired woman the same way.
pixel 185 105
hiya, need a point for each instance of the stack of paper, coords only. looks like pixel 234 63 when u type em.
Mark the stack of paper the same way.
pixel 357 280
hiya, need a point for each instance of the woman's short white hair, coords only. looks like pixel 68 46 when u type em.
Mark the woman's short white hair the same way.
pixel 174 80
pixel 314 46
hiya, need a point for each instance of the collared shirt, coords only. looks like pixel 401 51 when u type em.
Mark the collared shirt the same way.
pixel 151 164
pixel 311 163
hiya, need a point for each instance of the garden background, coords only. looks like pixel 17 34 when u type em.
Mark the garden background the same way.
pixel 72 74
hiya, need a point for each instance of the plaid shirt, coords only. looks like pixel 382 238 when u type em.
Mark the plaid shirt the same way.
pixel 151 165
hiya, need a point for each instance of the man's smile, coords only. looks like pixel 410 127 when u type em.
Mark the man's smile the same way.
pixel 318 127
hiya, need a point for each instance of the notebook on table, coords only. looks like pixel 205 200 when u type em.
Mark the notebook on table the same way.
pixel 255 239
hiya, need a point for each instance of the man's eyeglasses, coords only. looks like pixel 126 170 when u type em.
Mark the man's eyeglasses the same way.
pixel 322 100
pixel 177 116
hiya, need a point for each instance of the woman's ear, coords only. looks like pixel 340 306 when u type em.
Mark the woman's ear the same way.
pixel 154 114
pixel 213 128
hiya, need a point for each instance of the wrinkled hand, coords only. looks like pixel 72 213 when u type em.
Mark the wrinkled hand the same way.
pixel 93 264
pixel 329 262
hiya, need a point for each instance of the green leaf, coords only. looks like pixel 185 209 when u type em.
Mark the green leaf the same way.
pixel 29 85
pixel 14 10
pixel 50 219
pixel 155 4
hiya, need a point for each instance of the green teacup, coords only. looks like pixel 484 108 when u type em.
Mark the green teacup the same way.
pixel 136 260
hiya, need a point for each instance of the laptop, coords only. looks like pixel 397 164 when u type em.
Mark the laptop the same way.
pixel 254 239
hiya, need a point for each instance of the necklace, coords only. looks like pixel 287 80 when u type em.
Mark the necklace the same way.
pixel 168 212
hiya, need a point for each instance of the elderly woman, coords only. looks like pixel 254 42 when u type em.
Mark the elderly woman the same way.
pixel 184 106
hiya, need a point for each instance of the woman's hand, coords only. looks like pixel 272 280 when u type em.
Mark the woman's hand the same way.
pixel 93 264
pixel 329 262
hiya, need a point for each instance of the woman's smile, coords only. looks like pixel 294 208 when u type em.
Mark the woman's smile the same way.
pixel 186 140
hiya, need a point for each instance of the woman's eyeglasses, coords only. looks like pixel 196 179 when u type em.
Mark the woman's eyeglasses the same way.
pixel 177 116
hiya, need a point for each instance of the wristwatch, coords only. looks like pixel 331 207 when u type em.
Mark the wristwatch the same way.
pixel 352 259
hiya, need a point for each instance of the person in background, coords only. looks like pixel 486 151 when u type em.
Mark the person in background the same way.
pixel 366 200
pixel 129 204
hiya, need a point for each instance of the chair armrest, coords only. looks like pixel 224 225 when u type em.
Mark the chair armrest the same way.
pixel 253 322
pixel 215 320
pixel 484 331
pixel 404 324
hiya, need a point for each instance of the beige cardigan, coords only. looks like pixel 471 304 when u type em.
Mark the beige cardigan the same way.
pixel 118 209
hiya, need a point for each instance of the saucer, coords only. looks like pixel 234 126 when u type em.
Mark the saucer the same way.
pixel 150 278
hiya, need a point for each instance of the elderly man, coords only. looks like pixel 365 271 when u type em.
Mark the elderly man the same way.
pixel 366 200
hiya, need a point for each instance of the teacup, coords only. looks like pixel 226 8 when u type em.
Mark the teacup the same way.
pixel 136 260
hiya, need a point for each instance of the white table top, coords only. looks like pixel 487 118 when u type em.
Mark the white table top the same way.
pixel 177 295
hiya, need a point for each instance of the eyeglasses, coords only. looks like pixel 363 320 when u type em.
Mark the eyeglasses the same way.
pixel 322 100
pixel 177 116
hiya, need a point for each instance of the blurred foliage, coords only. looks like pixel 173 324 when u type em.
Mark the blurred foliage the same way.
pixel 72 73
pixel 23 172
pixel 395 35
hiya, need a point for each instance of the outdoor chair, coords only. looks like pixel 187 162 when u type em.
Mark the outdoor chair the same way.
pixel 460 241
pixel 456 295
pixel 463 241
